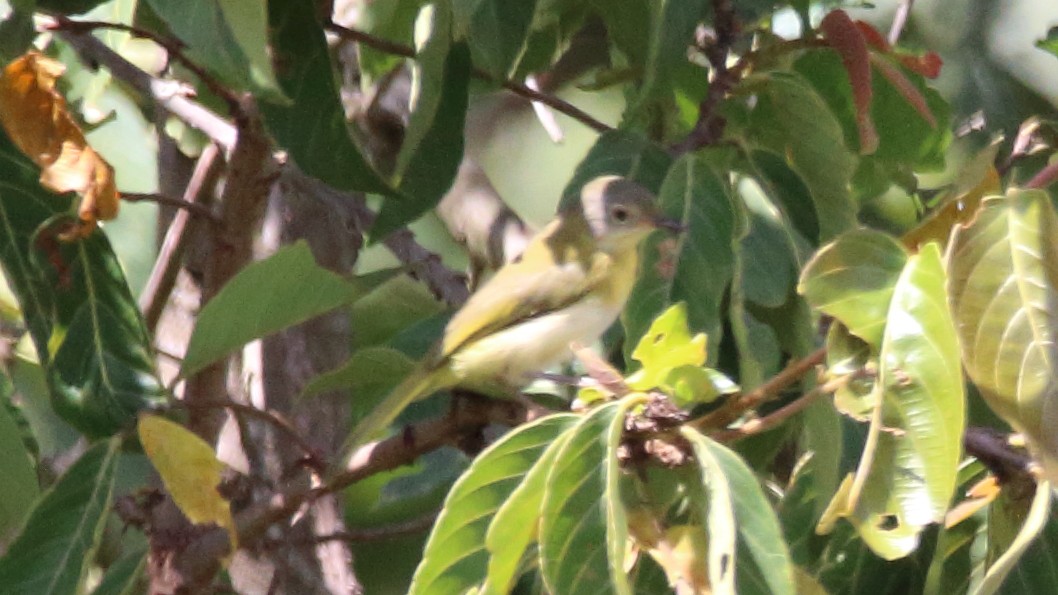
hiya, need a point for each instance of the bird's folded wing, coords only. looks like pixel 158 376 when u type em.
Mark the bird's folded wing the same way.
pixel 522 290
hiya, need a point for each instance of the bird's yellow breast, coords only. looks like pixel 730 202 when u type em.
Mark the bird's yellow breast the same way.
pixel 506 360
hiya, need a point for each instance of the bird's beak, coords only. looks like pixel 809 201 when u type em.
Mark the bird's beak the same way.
pixel 669 225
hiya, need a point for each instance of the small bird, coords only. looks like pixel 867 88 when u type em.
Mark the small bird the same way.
pixel 568 286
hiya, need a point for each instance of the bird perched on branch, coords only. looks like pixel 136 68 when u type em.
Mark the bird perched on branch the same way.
pixel 568 286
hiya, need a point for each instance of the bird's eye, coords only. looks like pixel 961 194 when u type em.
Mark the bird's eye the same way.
pixel 620 214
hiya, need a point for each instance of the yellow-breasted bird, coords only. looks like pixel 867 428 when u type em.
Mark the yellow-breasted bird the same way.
pixel 568 286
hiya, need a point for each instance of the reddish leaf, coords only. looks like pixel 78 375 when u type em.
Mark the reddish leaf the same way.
pixel 904 87
pixel 928 64
pixel 873 38
pixel 848 40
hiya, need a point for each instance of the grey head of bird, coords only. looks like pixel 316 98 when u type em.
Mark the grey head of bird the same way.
pixel 620 213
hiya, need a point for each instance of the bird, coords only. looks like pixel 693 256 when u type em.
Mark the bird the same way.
pixel 568 286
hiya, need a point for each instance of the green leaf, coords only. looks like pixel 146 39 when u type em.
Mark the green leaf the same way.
pixel 769 250
pixel 763 562
pixel 908 471
pixel 1049 43
pixel 1003 295
pixel 16 32
pixel 393 20
pixel 19 488
pixel 268 296
pixel 312 128
pixel 672 32
pixel 621 153
pixel 905 140
pixel 583 531
pixel 624 20
pixel 667 345
pixel 700 268
pixel 55 549
pixel 455 558
pixel 227 37
pixel 371 371
pixel 1008 512
pixel 85 325
pixel 717 515
pixel 853 279
pixel 433 144
pixel 496 31
pixel 793 121
pixel 516 524
pixel 124 576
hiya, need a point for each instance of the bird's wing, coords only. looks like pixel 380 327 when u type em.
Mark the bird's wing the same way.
pixel 514 293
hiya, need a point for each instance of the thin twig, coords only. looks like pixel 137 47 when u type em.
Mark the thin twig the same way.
pixel 174 47
pixel 731 410
pixel 163 275
pixel 515 87
pixel 1045 177
pixel 993 449
pixel 312 454
pixel 777 417
pixel 170 95
pixel 171 201
pixel 383 533
pixel 391 453
pixel 710 125
pixel 447 285
pixel 903 10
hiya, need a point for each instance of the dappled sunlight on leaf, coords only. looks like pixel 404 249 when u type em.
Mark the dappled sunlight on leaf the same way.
pixel 36 119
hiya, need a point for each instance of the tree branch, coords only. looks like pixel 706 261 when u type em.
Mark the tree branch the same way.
pixel 777 417
pixel 162 279
pixel 467 418
pixel 903 10
pixel 170 96
pixel 313 457
pixel 392 531
pixel 1045 177
pixel 174 47
pixel 515 87
pixel 710 126
pixel 733 408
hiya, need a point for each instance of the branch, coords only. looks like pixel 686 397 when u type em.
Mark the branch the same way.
pixel 171 201
pixel 163 275
pixel 170 96
pixel 733 408
pixel 465 419
pixel 174 47
pixel 392 531
pixel 899 20
pixel 777 417
pixel 993 449
pixel 449 286
pixel 313 456
pixel 515 87
pixel 1045 177
pixel 710 126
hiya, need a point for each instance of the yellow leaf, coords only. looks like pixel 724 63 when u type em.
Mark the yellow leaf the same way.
pixel 189 470
pixel 36 119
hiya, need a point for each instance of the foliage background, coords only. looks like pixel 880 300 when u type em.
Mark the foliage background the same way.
pixel 993 80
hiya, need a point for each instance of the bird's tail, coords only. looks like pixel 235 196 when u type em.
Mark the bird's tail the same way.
pixel 422 381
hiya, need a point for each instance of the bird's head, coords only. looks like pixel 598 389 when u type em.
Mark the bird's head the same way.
pixel 620 212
